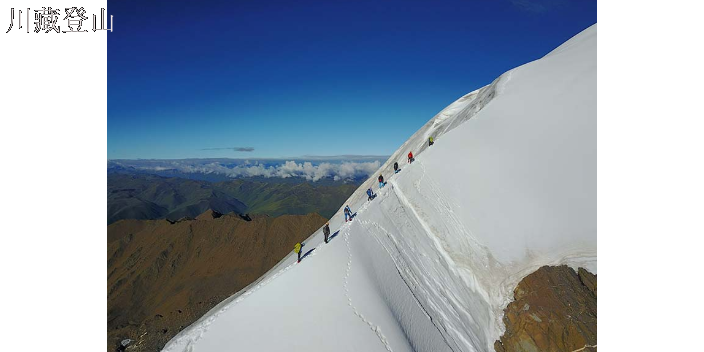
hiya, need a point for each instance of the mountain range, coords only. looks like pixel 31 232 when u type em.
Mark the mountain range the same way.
pixel 147 196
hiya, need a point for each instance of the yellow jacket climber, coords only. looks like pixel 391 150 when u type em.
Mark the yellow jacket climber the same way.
pixel 297 249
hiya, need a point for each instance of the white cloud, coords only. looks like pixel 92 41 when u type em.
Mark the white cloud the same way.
pixel 306 169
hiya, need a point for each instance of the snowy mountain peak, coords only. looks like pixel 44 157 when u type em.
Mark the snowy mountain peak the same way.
pixel 431 262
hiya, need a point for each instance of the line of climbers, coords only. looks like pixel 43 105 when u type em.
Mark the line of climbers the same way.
pixel 348 211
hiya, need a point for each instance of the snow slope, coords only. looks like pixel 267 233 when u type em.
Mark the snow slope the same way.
pixel 430 264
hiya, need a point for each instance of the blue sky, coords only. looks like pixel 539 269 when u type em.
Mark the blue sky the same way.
pixel 291 78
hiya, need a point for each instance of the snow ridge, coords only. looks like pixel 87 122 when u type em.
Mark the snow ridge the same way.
pixel 375 328
pixel 411 283
pixel 187 339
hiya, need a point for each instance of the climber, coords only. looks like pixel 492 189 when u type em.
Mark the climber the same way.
pixel 348 211
pixel 297 249
pixel 396 170
pixel 326 231
pixel 371 194
pixel 430 141
pixel 410 157
pixel 381 182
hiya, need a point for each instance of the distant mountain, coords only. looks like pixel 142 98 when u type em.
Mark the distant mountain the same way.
pixel 285 198
pixel 154 197
pixel 162 276
pixel 217 171
pixel 316 169
pixel 146 196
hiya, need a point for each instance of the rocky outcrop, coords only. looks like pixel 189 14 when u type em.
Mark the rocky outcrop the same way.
pixel 554 310
pixel 209 215
pixel 163 276
pixel 185 218
pixel 588 279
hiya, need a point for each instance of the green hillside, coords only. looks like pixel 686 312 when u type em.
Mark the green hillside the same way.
pixel 142 196
pixel 283 198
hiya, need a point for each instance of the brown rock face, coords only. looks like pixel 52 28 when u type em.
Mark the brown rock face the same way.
pixel 163 276
pixel 554 310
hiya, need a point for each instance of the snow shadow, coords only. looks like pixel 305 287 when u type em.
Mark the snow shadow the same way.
pixel 307 253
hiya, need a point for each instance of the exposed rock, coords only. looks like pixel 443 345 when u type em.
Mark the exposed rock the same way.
pixel 209 215
pixel 554 310
pixel 588 279
pixel 185 218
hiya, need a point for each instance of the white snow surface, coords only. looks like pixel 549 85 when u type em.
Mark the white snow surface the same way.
pixel 430 264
